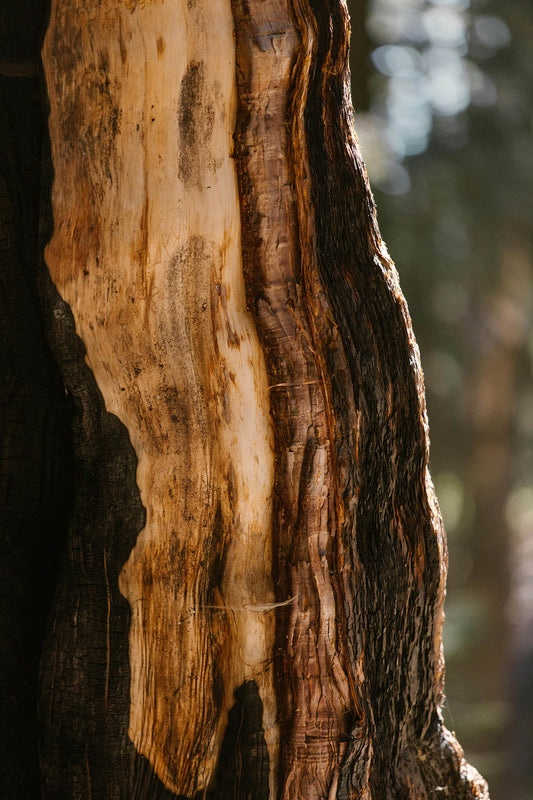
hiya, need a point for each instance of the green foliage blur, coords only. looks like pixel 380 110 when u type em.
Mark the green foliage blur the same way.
pixel 447 140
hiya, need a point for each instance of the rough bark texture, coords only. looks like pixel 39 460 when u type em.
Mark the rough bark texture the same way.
pixel 250 600
pixel 35 457
pixel 358 532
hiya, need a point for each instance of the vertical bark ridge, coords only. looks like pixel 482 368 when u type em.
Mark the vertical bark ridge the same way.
pixel 85 668
pixel 352 445
pixel 391 524
pixel 313 688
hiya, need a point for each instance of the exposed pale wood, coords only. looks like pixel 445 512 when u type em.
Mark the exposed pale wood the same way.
pixel 146 251
pixel 312 682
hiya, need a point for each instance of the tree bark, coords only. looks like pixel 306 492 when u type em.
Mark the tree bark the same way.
pixel 250 601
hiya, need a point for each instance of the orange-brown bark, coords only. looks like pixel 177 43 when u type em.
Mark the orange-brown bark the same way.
pixel 312 684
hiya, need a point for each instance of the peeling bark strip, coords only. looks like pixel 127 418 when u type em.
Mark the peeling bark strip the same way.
pixel 358 537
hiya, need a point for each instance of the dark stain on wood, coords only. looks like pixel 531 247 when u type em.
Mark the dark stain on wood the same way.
pixel 92 114
pixel 196 121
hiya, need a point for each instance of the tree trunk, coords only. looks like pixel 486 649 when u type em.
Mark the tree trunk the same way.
pixel 251 591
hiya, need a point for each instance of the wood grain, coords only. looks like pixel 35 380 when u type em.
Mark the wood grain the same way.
pixel 146 252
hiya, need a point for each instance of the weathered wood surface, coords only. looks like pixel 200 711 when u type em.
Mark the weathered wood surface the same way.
pixel 146 252
pixel 250 429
